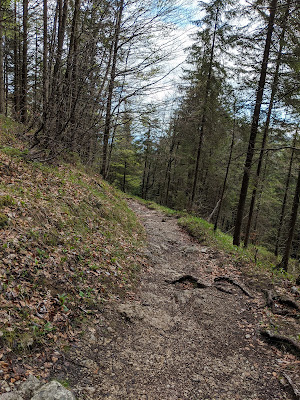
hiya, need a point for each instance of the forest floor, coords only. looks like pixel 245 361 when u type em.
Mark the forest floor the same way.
pixel 188 332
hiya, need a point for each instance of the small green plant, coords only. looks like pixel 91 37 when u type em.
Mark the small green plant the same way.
pixel 42 253
pixel 48 327
pixel 37 194
pixel 52 238
pixel 14 152
pixel 94 267
pixel 62 298
pixel 6 201
pixel 33 234
pixel 64 382
pixel 3 220
pixel 86 293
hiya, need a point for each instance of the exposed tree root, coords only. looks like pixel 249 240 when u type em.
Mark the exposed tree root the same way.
pixel 235 283
pixel 189 279
pixel 194 282
pixel 287 302
pixel 272 299
pixel 286 343
pixel 292 385
pixel 221 289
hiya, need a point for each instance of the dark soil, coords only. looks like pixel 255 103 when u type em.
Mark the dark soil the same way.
pixel 188 338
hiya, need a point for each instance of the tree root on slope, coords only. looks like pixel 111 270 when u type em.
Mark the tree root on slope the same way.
pixel 233 282
pixel 221 289
pixel 272 299
pixel 189 279
pixel 292 386
pixel 282 342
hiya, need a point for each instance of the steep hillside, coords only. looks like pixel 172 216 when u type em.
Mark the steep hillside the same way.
pixel 68 244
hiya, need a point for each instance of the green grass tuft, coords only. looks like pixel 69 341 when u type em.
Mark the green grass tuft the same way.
pixel 3 220
pixel 6 201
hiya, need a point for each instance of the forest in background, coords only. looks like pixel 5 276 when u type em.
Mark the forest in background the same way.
pixel 82 77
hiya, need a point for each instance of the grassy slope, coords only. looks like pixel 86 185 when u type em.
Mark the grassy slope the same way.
pixel 68 244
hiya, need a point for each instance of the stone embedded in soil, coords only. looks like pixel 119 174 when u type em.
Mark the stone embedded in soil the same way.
pixel 33 389
pixel 131 312
pixel 53 391
pixel 10 396
pixel 29 386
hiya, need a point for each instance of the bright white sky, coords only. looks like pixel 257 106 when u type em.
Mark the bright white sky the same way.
pixel 188 11
pixel 180 40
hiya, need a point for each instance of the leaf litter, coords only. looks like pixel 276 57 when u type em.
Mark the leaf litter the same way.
pixel 70 246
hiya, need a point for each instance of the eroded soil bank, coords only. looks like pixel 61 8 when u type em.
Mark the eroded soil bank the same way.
pixel 183 335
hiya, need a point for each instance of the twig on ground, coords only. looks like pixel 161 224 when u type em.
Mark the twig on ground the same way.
pixel 292 385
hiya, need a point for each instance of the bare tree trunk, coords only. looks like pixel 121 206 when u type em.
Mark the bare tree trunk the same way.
pixel 226 174
pixel 45 62
pixel 166 183
pixel 24 64
pixel 267 124
pixel 260 192
pixel 203 120
pixel 16 65
pixel 254 127
pixel 71 78
pixel 287 185
pixel 63 11
pixel 2 105
pixel 110 89
pixel 285 259
pixel 124 177
pixel 169 175
pixel 146 167
pixel 35 71
pixel 214 211
pixel 6 75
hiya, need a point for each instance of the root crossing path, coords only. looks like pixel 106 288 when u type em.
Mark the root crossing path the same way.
pixel 185 335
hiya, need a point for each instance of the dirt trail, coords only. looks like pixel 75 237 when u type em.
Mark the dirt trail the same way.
pixel 177 341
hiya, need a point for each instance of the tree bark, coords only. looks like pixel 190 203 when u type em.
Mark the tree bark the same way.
pixel 226 174
pixel 124 177
pixel 267 124
pixel 16 95
pixel 24 64
pixel 288 246
pixel 45 62
pixel 146 167
pixel 108 115
pixel 283 207
pixel 203 120
pixel 6 79
pixel 2 105
pixel 261 189
pixel 254 126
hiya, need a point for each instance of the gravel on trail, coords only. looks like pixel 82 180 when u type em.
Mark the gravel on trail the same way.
pixel 183 336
